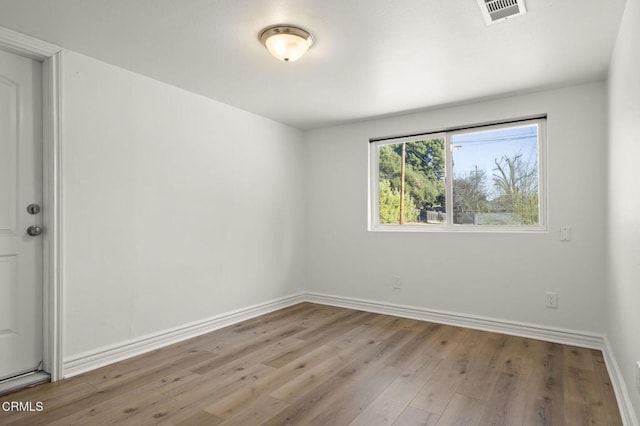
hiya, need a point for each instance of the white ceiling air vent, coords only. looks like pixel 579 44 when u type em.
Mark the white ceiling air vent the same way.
pixel 499 10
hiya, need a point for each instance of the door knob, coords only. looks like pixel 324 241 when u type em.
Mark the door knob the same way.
pixel 34 230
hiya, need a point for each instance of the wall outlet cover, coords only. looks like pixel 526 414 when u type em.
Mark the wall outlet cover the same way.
pixel 565 233
pixel 397 282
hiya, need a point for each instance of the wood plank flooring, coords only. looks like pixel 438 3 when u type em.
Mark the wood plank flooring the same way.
pixel 318 365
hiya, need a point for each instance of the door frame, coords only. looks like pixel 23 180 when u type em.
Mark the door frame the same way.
pixel 51 58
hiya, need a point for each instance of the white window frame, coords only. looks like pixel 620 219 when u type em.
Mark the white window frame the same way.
pixel 447 134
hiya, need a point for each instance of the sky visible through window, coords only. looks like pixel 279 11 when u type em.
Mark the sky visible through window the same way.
pixel 481 149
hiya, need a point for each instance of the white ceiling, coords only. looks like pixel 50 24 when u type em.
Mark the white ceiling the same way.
pixel 371 57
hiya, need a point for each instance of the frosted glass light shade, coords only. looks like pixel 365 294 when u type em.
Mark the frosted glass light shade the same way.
pixel 285 42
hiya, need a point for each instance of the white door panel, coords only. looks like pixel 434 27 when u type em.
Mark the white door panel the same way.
pixel 8 155
pixel 20 185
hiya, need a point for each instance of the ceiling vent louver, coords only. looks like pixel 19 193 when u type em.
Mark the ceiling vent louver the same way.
pixel 499 10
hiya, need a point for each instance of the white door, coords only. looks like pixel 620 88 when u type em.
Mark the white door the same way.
pixel 20 185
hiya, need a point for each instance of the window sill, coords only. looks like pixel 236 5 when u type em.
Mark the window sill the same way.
pixel 460 229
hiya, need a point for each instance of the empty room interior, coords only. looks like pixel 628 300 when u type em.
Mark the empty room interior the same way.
pixel 319 212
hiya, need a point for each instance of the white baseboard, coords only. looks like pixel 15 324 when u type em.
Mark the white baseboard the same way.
pixel 548 334
pixel 91 360
pixel 627 413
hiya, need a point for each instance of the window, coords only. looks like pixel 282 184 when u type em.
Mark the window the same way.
pixel 479 178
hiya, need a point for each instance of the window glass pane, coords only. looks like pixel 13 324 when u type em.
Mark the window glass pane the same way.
pixel 412 191
pixel 495 177
pixel 389 162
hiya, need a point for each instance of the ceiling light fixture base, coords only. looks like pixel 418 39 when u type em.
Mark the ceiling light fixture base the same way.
pixel 286 42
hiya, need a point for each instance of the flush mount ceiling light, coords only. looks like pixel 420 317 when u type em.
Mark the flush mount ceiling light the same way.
pixel 286 42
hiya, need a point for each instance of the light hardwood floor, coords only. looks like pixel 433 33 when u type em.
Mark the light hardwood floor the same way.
pixel 318 365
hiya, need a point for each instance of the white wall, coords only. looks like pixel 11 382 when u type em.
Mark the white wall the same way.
pixel 176 208
pixel 623 280
pixel 502 276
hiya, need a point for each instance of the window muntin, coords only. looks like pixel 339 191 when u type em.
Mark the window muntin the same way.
pixel 484 178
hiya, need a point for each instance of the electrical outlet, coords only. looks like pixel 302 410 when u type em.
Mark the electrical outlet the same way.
pixel 397 283
pixel 638 376
pixel 551 300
